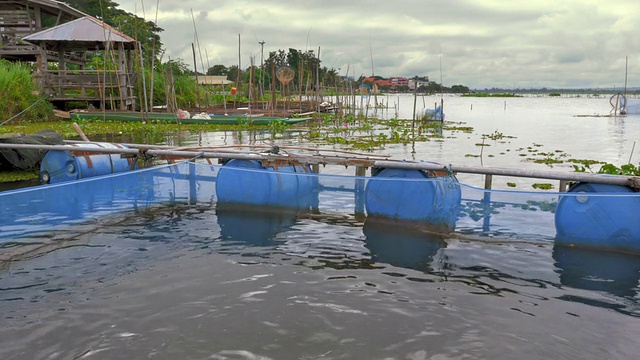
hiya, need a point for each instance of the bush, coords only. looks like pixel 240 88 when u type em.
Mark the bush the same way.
pixel 19 93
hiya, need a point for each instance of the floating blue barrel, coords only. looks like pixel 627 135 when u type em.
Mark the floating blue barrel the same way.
pixel 413 195
pixel 599 221
pixel 58 166
pixel 248 182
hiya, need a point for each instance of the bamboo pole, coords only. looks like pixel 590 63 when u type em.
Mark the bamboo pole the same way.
pixel 235 97
pixel 318 94
pixel 252 146
pixel 144 82
pixel 195 69
pixel 268 158
pixel 81 133
pixel 153 59
pixel 251 94
pixel 300 71
pixel 274 101
pixel 373 74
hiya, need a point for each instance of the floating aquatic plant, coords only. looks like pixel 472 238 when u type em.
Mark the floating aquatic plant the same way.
pixel 542 186
pixel 496 135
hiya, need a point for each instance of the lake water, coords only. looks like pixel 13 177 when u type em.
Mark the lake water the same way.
pixel 200 281
pixel 532 128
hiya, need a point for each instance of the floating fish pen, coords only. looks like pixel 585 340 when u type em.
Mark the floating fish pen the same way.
pixel 590 211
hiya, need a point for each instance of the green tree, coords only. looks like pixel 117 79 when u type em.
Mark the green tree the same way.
pixel 459 89
pixel 331 77
pixel 101 9
pixel 218 70
pixel 298 60
pixel 232 73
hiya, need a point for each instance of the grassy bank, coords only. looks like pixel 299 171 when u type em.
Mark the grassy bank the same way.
pixel 20 95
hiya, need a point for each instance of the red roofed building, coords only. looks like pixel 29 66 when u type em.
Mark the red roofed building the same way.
pixel 383 82
pixel 399 81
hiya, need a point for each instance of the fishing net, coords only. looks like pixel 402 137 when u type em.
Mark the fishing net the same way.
pixel 285 74
pixel 592 215
pixel 26 159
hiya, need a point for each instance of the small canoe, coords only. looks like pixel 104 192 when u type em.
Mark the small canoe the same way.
pixel 169 117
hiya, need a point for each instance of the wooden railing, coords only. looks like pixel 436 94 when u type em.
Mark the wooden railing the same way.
pixel 87 84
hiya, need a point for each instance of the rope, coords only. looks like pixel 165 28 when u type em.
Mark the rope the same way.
pixel 199 156
pixel 23 111
pixel 450 179
pixel 142 153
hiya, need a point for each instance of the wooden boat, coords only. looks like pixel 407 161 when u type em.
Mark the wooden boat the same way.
pixel 170 117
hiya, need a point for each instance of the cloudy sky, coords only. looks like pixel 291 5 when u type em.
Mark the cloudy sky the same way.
pixel 480 43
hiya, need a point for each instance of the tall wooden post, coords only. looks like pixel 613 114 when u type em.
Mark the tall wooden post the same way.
pixel 195 69
pixel 122 77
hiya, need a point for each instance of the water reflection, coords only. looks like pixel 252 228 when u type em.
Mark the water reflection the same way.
pixel 252 225
pixel 614 273
pixel 401 246
pixel 617 133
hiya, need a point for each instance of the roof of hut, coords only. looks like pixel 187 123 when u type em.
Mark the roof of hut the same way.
pixel 47 6
pixel 85 33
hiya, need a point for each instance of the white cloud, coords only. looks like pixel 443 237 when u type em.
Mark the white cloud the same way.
pixel 483 43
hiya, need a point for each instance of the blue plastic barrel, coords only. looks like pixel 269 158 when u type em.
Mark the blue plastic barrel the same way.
pixel 599 221
pixel 413 195
pixel 58 166
pixel 248 182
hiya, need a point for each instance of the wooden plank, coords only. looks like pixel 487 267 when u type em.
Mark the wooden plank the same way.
pixel 84 85
pixel 17 51
pixel 80 98
pixel 10 15
pixel 65 72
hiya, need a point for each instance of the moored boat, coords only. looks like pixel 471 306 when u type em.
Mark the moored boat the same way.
pixel 211 119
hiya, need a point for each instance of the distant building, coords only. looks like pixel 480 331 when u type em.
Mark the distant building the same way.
pixel 399 81
pixel 383 82
pixel 212 80
pixel 370 80
pixel 417 83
